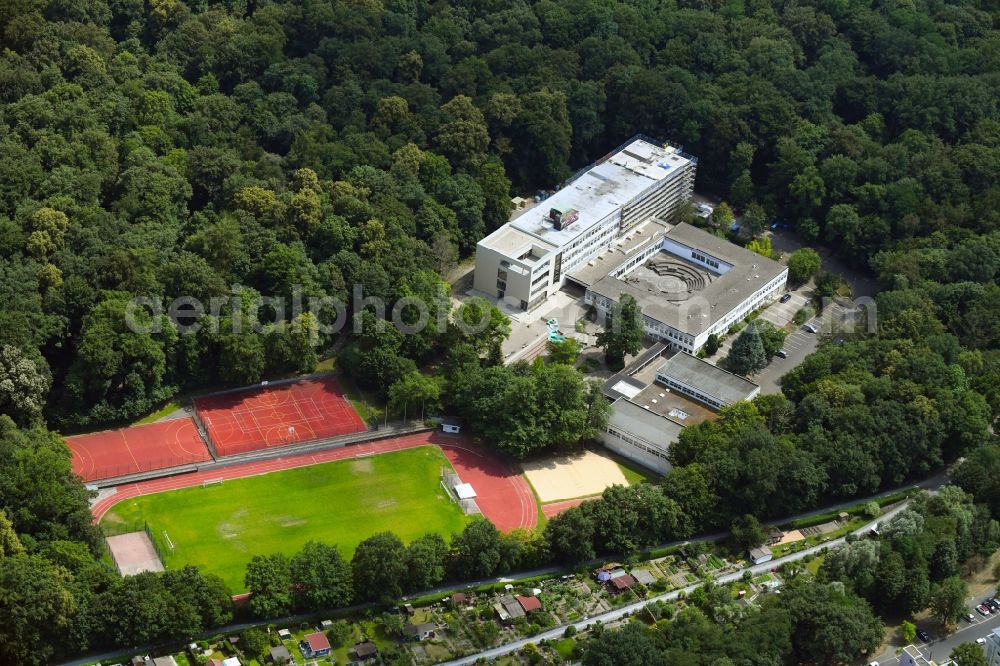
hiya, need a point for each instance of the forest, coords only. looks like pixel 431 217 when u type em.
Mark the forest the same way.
pixel 237 149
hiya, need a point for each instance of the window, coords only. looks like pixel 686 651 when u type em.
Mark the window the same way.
pixel 502 284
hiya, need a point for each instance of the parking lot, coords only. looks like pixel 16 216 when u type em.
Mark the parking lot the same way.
pixel 940 647
pixel 799 344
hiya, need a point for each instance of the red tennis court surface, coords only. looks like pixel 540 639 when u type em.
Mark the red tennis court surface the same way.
pixel 262 418
pixel 503 494
pixel 102 455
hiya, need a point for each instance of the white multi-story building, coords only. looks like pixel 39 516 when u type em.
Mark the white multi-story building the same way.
pixel 688 283
pixel 992 648
pixel 528 259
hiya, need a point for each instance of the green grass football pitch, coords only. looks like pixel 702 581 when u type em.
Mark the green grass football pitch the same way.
pixel 220 527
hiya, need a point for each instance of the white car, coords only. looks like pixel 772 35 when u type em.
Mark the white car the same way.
pixel 872 663
pixel 981 641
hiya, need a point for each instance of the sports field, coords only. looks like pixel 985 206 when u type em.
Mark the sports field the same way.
pixel 219 527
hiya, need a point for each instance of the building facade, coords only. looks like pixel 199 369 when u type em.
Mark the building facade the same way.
pixel 641 435
pixel 690 284
pixel 527 259
pixel 705 382
pixel 992 648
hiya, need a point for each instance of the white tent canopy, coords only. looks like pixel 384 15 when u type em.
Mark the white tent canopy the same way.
pixel 465 491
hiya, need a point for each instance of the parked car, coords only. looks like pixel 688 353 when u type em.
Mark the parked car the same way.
pixel 809 328
pixel 981 641
pixel 781 353
pixel 923 635
pixel 785 298
pixel 872 663
pixel 983 609
pixel 993 603
pixel 970 617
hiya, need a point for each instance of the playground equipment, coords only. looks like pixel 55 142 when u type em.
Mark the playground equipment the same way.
pixel 554 334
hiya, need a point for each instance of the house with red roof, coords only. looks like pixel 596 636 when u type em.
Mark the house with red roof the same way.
pixel 315 645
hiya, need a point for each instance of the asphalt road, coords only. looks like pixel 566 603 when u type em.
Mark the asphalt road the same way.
pixel 630 609
pixel 940 647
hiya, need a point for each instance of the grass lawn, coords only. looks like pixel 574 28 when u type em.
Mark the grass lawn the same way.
pixel 169 408
pixel 565 648
pixel 636 474
pixel 366 405
pixel 219 527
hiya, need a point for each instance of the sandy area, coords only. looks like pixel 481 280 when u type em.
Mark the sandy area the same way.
pixel 578 475
pixel 134 553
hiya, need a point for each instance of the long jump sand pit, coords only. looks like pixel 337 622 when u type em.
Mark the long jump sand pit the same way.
pixel 133 552
pixel 577 475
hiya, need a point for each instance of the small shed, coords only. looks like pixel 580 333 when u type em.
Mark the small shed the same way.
pixel 280 655
pixel 419 632
pixel 465 491
pixel 514 609
pixel 315 645
pixel 529 604
pixel 760 555
pixel 459 598
pixel 366 650
pixel 620 584
pixel 451 427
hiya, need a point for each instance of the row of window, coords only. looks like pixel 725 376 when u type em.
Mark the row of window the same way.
pixel 698 395
pixel 747 306
pixel 703 259
pixel 659 453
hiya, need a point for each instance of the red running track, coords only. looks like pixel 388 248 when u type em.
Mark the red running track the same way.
pixel 102 455
pixel 555 508
pixel 265 417
pixel 503 495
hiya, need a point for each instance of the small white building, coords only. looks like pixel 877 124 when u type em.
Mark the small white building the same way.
pixel 761 555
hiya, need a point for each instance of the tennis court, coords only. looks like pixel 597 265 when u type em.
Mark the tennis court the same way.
pixel 279 415
pixel 110 453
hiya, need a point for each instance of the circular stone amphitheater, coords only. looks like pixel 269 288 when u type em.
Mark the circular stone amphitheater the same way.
pixel 672 278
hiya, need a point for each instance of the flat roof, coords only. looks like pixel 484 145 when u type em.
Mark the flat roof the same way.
pixel 608 260
pixel 714 381
pixel 598 192
pixel 702 308
pixel 643 422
